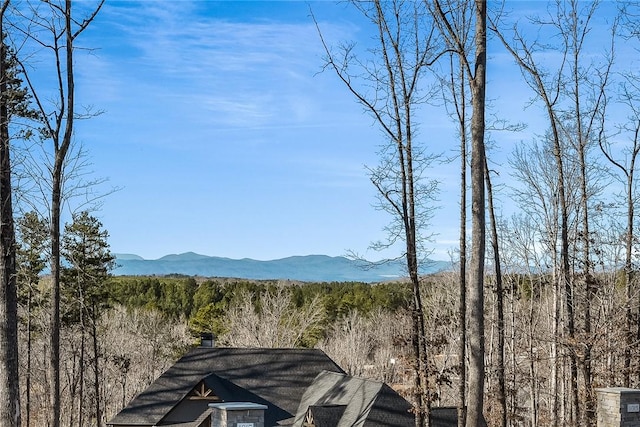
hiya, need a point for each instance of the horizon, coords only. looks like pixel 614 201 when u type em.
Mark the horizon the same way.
pixel 119 255
pixel 222 135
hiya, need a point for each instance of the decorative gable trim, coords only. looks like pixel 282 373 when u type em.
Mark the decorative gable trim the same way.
pixel 202 392
pixel 308 419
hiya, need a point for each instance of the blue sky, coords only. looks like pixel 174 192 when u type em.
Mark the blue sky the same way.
pixel 225 139
pixel 220 133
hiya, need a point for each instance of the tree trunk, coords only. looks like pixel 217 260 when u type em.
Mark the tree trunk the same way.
pixel 9 384
pixel 476 339
pixel 628 270
pixel 462 389
pixel 60 153
pixel 502 395
pixel 81 380
pixel 54 365
pixel 29 350
pixel 96 366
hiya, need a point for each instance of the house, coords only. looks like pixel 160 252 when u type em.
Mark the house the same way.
pixel 261 387
pixel 335 399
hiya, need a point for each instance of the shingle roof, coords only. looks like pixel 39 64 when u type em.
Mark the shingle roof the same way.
pixel 275 377
pixel 326 416
pixel 194 423
pixel 366 402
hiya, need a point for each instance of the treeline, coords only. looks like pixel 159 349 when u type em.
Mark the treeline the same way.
pixel 120 333
pixel 205 303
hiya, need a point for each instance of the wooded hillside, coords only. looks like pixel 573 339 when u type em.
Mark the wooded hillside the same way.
pixel 148 322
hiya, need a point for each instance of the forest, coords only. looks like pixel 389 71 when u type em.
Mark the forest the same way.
pixel 542 308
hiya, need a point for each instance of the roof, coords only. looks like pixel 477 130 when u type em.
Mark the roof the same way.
pixel 362 403
pixel 273 377
pixel 326 416
pixel 195 423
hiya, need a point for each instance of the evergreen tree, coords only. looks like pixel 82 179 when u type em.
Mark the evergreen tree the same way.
pixel 88 261
pixel 32 233
pixel 14 102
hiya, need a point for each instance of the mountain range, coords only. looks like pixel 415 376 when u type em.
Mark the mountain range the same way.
pixel 309 268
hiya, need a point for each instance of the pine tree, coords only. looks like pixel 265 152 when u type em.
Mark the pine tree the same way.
pixel 88 261
pixel 32 234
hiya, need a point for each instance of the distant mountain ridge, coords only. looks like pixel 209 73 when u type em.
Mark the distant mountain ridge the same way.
pixel 308 268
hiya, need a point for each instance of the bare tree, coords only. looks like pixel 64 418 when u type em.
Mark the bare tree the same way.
pixel 390 86
pixel 573 94
pixel 271 320
pixel 457 98
pixel 499 291
pixel 371 346
pixel 474 63
pixel 625 164
pixel 548 88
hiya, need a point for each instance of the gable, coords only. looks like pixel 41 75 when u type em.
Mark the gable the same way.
pixel 390 409
pixel 366 403
pixel 274 377
pixel 323 416
pixel 195 403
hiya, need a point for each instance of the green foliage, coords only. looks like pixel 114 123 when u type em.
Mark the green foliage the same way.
pixel 340 298
pixel 87 263
pixel 17 96
pixel 32 235
pixel 172 296
pixel 208 318
pixel 204 305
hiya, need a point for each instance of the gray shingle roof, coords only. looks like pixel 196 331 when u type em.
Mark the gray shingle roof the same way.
pixel 366 403
pixel 194 423
pixel 275 377
pixel 326 416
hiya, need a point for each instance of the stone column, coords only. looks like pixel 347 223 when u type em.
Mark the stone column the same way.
pixel 618 407
pixel 237 414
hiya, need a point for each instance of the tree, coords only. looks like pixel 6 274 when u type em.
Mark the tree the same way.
pixel 630 97
pixel 85 249
pixel 572 90
pixel 270 319
pixel 475 415
pixel 499 291
pixel 474 63
pixel 9 385
pixel 536 79
pixel 32 233
pixel 391 86
pixel 14 102
pixel 62 29
pixel 457 97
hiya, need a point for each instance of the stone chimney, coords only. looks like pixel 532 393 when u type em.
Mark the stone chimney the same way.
pixel 237 414
pixel 618 407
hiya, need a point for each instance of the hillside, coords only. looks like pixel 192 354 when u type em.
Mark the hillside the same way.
pixel 310 268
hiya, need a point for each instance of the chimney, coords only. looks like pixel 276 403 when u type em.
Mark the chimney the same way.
pixel 237 414
pixel 207 339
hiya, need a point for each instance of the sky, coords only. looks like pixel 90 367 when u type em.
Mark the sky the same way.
pixel 220 134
